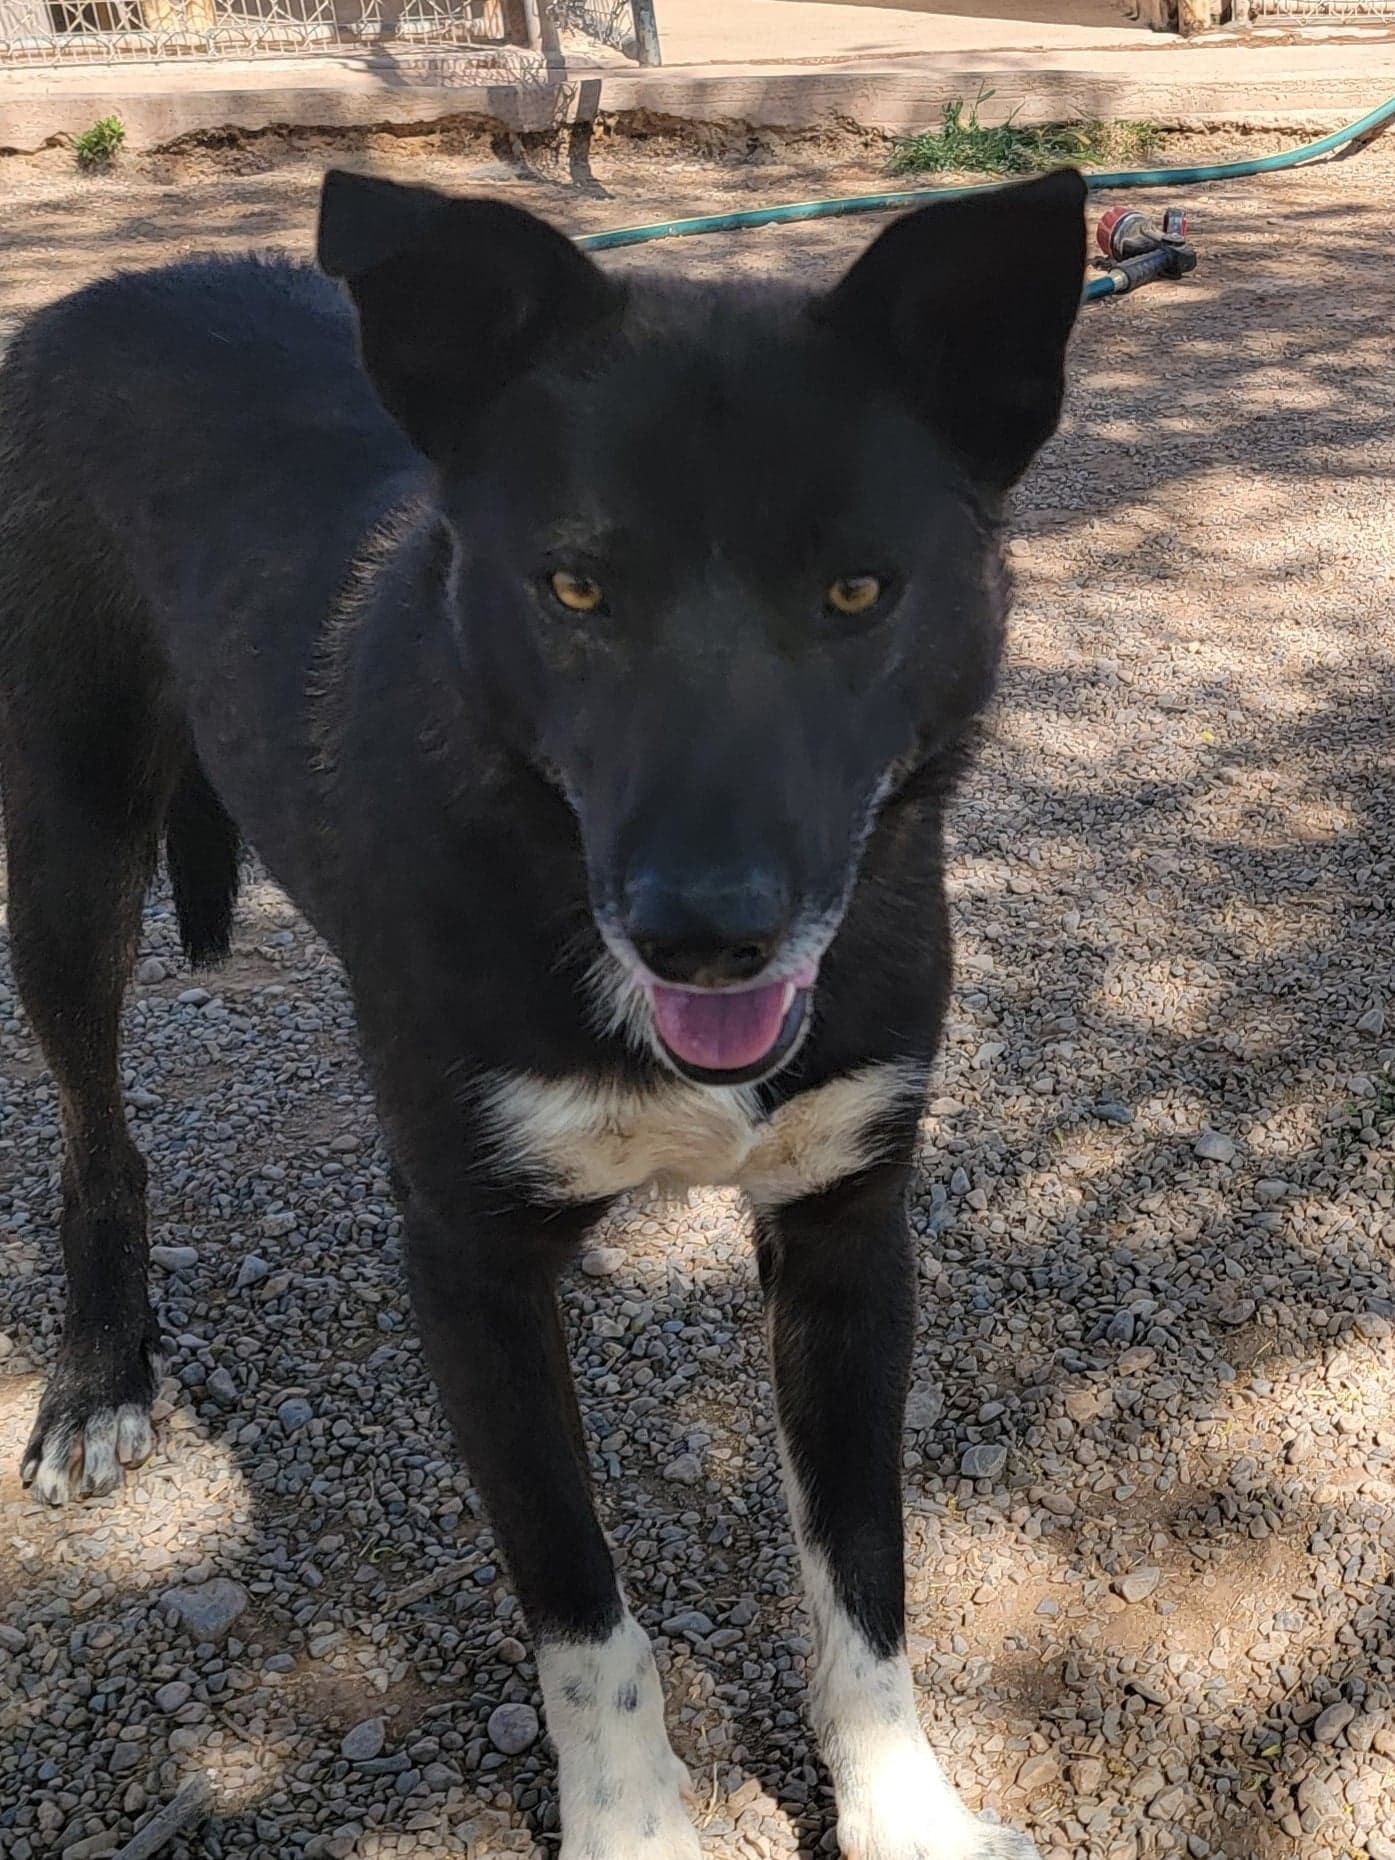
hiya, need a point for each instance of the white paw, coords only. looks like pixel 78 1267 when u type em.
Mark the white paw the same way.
pixel 629 1816
pixel 971 1840
pixel 72 1458
pixel 894 1803
pixel 620 1785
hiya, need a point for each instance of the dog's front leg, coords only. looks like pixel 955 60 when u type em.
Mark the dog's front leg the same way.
pixel 484 1291
pixel 839 1278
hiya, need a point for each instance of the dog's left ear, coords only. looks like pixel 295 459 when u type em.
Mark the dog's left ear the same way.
pixel 969 303
pixel 455 297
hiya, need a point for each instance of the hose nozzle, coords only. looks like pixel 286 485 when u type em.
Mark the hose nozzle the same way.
pixel 1136 251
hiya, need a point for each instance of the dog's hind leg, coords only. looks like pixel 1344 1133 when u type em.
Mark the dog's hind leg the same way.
pixel 84 770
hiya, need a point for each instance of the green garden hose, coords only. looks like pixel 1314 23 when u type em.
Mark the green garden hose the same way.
pixel 793 212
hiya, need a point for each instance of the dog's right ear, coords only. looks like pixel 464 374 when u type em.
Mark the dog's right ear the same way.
pixel 966 306
pixel 455 297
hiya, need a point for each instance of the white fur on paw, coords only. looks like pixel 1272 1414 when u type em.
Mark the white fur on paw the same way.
pixel 630 1812
pixel 620 1784
pixel 83 1461
pixel 893 1800
pixel 900 1809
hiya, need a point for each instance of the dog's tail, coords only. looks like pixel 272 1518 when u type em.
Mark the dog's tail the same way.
pixel 202 848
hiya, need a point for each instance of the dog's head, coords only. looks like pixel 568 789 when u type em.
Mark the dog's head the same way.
pixel 726 565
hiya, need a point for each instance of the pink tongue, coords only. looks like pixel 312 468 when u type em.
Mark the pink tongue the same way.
pixel 720 1032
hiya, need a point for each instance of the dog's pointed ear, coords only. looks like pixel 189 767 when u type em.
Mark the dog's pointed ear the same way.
pixel 969 304
pixel 455 297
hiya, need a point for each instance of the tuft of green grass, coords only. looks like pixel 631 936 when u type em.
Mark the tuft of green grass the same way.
pixel 964 145
pixel 98 146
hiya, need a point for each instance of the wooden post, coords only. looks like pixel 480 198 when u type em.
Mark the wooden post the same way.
pixel 647 32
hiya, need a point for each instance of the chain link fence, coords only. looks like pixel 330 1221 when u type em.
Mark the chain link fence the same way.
pixel 49 32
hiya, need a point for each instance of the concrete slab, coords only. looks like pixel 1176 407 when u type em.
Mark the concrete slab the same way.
pixel 1092 64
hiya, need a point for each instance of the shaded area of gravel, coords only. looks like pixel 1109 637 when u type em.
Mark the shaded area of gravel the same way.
pixel 1157 1209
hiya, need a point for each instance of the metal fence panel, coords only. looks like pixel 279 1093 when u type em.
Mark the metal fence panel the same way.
pixel 119 31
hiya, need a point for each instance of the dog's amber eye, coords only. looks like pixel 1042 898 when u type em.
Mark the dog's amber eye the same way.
pixel 854 594
pixel 578 593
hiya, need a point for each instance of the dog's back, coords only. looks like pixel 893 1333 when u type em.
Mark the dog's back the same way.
pixel 186 410
pixel 186 458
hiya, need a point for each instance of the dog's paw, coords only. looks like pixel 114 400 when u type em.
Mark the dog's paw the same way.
pixel 991 1843
pixel 636 1817
pixel 895 1802
pixel 89 1428
pixel 967 1840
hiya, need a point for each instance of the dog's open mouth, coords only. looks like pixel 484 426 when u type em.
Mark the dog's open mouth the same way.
pixel 730 1037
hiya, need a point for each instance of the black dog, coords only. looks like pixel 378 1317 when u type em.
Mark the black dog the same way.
pixel 592 662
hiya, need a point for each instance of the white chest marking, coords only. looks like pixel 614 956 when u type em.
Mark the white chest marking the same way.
pixel 579 1140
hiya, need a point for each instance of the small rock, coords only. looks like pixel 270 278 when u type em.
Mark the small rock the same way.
pixel 1361 1732
pixel 1109 1111
pixel 1087 1775
pixel 1169 1805
pixel 294 1413
pixel 208 1611
pixel 924 1406
pixel 984 1461
pixel 150 971
pixel 193 997
pixel 94 1847
pixel 1039 1772
pixel 365 1741
pixel 1084 1405
pixel 1237 1313
pixel 252 1271
pixel 1317 1802
pixel 222 1388
pixel 600 1262
pixel 169 1698
pixel 1372 1021
pixel 125 1757
pixel 1138 1585
pixel 1379 1848
pixel 513 1728
pixel 175 1258
pixel 685 1470
pixel 1211 1146
pixel 691 1621
pixel 512 1652
pixel 1330 1724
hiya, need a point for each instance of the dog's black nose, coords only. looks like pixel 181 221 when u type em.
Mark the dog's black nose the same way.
pixel 705 934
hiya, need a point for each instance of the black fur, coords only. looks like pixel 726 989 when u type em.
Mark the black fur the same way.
pixel 201 852
pixel 275 565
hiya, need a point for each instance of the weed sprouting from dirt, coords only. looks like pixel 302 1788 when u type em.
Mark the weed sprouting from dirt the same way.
pixel 98 147
pixel 964 145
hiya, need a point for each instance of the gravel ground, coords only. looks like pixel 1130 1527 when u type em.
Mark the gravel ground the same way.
pixel 1157 1208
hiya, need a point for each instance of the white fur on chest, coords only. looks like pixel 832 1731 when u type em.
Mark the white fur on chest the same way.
pixel 580 1140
